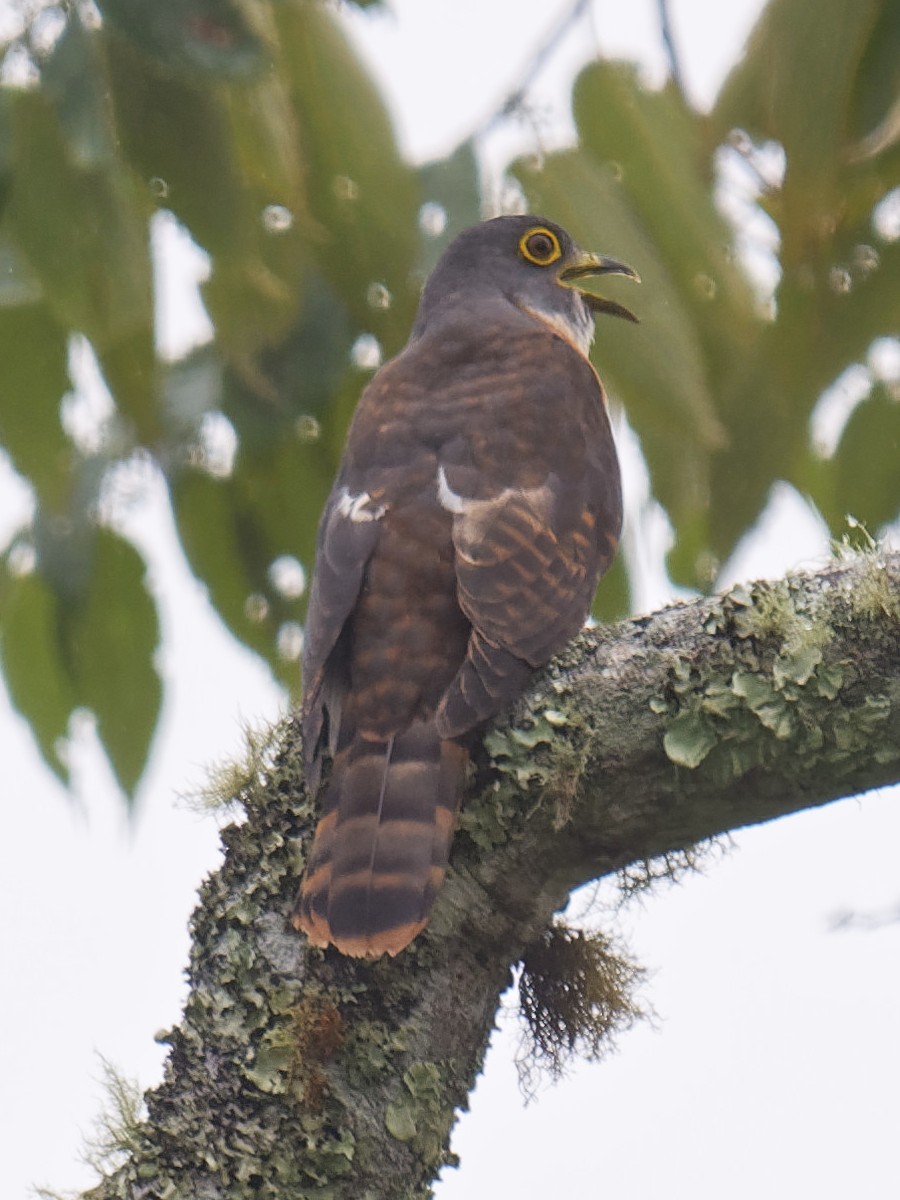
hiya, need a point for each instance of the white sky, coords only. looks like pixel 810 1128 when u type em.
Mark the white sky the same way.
pixel 773 1067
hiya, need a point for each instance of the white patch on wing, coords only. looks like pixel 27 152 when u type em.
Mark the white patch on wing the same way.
pixel 479 511
pixel 359 508
pixel 578 333
pixel 449 499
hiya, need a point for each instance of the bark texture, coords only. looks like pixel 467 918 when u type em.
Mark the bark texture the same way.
pixel 301 1074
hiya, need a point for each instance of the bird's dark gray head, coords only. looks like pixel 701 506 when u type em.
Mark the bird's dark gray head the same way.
pixel 529 262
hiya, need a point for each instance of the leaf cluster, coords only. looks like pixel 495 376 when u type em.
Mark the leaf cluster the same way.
pixel 254 129
pixel 727 391
pixel 240 125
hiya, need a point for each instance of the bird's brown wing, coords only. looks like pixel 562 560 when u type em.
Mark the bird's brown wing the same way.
pixel 385 464
pixel 389 806
pixel 529 555
pixel 344 548
pixel 526 587
pixel 385 636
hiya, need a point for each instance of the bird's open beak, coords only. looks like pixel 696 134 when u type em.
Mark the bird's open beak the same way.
pixel 586 265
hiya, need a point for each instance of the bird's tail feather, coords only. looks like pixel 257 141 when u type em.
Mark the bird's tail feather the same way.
pixel 381 847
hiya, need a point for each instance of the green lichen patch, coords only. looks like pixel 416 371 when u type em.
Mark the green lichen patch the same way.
pixel 536 764
pixel 420 1116
pixel 874 594
pixel 400 1120
pixel 768 702
pixel 689 738
pixel 272 1062
pixel 521 762
pixel 770 686
pixel 513 749
pixel 372 1051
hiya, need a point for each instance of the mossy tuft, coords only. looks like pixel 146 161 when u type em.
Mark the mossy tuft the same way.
pixel 232 781
pixel 576 994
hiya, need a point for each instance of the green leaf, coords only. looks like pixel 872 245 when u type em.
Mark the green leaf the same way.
pixel 34 662
pixel 689 739
pixel 866 465
pixel 363 195
pixel 175 134
pixel 192 387
pixel 847 54
pixel 113 633
pixel 713 396
pixel 846 322
pixel 299 378
pixel 660 155
pixel 233 529
pixel 663 374
pixel 89 642
pixel 285 493
pixel 210 36
pixel 310 365
pixel 6 106
pixel 131 372
pixel 819 332
pixel 823 45
pixel 255 291
pixel 18 283
pixel 73 76
pixel 83 231
pixel 833 298
pixel 452 185
pixel 33 379
pixel 217 547
pixel 874 104
pixel 240 145
pixel 613 598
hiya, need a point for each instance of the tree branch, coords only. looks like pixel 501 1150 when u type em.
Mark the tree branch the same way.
pixel 515 100
pixel 668 37
pixel 297 1073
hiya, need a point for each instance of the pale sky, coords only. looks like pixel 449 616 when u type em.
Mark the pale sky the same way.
pixel 772 1067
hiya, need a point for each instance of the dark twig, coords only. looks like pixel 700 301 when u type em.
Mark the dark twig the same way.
pixel 669 43
pixel 516 98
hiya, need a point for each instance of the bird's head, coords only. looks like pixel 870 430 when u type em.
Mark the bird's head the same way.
pixel 531 263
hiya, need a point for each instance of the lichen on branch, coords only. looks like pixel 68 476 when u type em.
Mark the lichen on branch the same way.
pixel 301 1073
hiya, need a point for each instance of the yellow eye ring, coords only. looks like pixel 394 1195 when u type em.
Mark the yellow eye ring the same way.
pixel 540 246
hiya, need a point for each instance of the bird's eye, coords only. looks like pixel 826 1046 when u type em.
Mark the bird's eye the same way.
pixel 540 246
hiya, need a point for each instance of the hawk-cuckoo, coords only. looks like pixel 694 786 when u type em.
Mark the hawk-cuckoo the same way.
pixel 477 505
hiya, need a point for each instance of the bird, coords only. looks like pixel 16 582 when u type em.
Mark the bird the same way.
pixel 476 506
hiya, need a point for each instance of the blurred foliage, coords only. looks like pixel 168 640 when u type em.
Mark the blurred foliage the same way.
pixel 254 125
